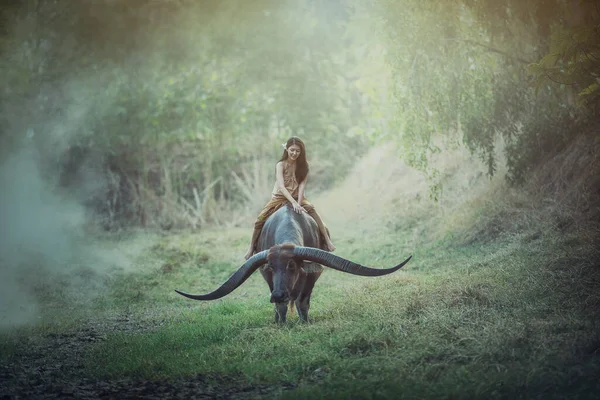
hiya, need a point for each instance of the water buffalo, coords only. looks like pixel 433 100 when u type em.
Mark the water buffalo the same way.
pixel 290 258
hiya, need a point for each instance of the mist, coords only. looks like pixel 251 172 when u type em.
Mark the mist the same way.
pixel 37 236
pixel 49 191
pixel 52 255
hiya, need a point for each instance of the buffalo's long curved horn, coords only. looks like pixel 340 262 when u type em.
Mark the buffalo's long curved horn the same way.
pixel 235 280
pixel 341 264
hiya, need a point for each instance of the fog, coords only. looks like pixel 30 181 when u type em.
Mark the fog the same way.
pixel 48 250
pixel 37 235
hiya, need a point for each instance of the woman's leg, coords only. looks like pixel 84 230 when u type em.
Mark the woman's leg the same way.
pixel 272 206
pixel 310 209
pixel 254 240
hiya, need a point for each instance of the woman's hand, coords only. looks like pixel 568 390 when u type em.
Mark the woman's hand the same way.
pixel 298 208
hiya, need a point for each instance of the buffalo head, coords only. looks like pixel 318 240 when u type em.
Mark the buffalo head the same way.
pixel 291 272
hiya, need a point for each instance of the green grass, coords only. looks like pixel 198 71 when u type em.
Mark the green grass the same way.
pixel 486 320
pixel 511 318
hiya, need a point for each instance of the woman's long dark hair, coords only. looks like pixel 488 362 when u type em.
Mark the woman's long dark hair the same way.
pixel 301 163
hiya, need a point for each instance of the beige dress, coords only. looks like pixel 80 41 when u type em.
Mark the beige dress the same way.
pixel 278 200
pixel 289 181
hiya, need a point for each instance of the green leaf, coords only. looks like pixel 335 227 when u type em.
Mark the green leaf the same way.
pixel 589 90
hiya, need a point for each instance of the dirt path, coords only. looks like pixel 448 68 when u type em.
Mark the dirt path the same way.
pixel 54 368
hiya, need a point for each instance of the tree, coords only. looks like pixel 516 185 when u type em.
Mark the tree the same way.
pixel 465 66
pixel 176 102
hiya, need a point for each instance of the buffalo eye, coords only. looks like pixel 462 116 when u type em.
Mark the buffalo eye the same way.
pixel 291 266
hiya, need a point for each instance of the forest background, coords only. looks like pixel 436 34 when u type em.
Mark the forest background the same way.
pixel 169 113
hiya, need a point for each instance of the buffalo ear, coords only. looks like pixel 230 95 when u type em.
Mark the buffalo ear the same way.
pixel 310 267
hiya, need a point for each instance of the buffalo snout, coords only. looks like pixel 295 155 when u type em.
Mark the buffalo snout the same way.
pixel 279 296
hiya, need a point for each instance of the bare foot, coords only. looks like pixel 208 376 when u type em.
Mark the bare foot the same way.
pixel 329 245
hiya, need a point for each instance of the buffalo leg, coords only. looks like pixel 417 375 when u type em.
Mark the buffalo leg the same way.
pixel 298 286
pixel 303 299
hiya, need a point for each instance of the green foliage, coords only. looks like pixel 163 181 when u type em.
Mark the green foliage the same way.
pixel 175 104
pixel 175 100
pixel 573 60
pixel 461 68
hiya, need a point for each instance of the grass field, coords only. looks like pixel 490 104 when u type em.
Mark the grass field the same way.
pixel 484 320
pixel 498 302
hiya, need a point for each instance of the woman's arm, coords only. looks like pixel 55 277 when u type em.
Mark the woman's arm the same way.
pixel 301 187
pixel 281 183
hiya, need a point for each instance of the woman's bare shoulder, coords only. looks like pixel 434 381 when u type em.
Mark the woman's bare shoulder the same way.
pixel 280 167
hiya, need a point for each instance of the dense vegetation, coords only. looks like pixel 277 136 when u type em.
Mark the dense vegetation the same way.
pixel 174 106
pixel 179 116
pixel 522 71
